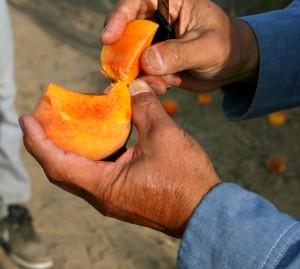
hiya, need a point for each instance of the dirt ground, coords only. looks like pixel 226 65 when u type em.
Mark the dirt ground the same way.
pixel 57 41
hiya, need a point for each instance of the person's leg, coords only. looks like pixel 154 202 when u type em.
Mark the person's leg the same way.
pixel 16 231
pixel 15 184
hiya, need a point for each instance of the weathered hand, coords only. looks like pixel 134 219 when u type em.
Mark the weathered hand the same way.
pixel 210 49
pixel 156 183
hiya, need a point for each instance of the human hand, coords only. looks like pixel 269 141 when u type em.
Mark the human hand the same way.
pixel 210 49
pixel 156 183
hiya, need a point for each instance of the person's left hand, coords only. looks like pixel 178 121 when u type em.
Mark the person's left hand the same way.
pixel 210 49
pixel 156 183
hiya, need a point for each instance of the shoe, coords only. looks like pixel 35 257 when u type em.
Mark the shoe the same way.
pixel 20 241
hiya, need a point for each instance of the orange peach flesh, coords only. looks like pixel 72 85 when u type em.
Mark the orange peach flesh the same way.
pixel 120 61
pixel 93 126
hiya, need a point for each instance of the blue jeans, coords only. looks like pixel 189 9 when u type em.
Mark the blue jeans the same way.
pixel 14 181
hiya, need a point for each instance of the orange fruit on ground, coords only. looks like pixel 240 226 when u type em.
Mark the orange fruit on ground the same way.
pixel 204 99
pixel 275 165
pixel 170 106
pixel 277 118
pixel 93 126
pixel 120 60
pixel 96 126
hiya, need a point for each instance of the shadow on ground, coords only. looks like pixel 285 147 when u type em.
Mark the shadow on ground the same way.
pixel 75 22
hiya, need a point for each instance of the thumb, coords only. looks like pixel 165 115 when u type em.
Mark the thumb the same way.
pixel 147 111
pixel 173 56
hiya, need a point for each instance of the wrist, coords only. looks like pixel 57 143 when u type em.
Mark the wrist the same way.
pixel 249 52
pixel 190 202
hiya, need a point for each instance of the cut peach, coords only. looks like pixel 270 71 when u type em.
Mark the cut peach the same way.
pixel 93 126
pixel 96 126
pixel 120 60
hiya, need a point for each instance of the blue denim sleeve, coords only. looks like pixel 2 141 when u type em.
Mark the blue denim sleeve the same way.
pixel 236 229
pixel 278 85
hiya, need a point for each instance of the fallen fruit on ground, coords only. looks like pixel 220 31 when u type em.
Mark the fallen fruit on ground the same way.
pixel 275 165
pixel 120 60
pixel 277 118
pixel 93 126
pixel 204 99
pixel 96 126
pixel 170 106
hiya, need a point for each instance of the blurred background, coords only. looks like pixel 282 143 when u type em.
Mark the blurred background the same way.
pixel 240 8
pixel 57 41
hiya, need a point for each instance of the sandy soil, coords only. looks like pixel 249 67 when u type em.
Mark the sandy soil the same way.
pixel 57 41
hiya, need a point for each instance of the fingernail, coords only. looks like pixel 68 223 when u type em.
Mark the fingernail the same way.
pixel 155 60
pixel 103 31
pixel 138 86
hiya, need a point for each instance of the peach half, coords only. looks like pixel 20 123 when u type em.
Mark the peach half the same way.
pixel 120 60
pixel 93 126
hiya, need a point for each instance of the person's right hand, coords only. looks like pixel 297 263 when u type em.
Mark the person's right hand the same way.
pixel 210 49
pixel 157 182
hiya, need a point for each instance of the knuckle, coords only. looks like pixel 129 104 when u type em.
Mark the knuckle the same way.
pixel 146 101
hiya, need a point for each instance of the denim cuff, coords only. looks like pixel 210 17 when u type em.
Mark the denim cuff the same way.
pixel 234 228
pixel 278 84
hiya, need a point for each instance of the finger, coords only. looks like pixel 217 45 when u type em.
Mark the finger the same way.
pixel 36 142
pixel 63 169
pixel 157 83
pixel 124 12
pixel 147 111
pixel 184 80
pixel 187 81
